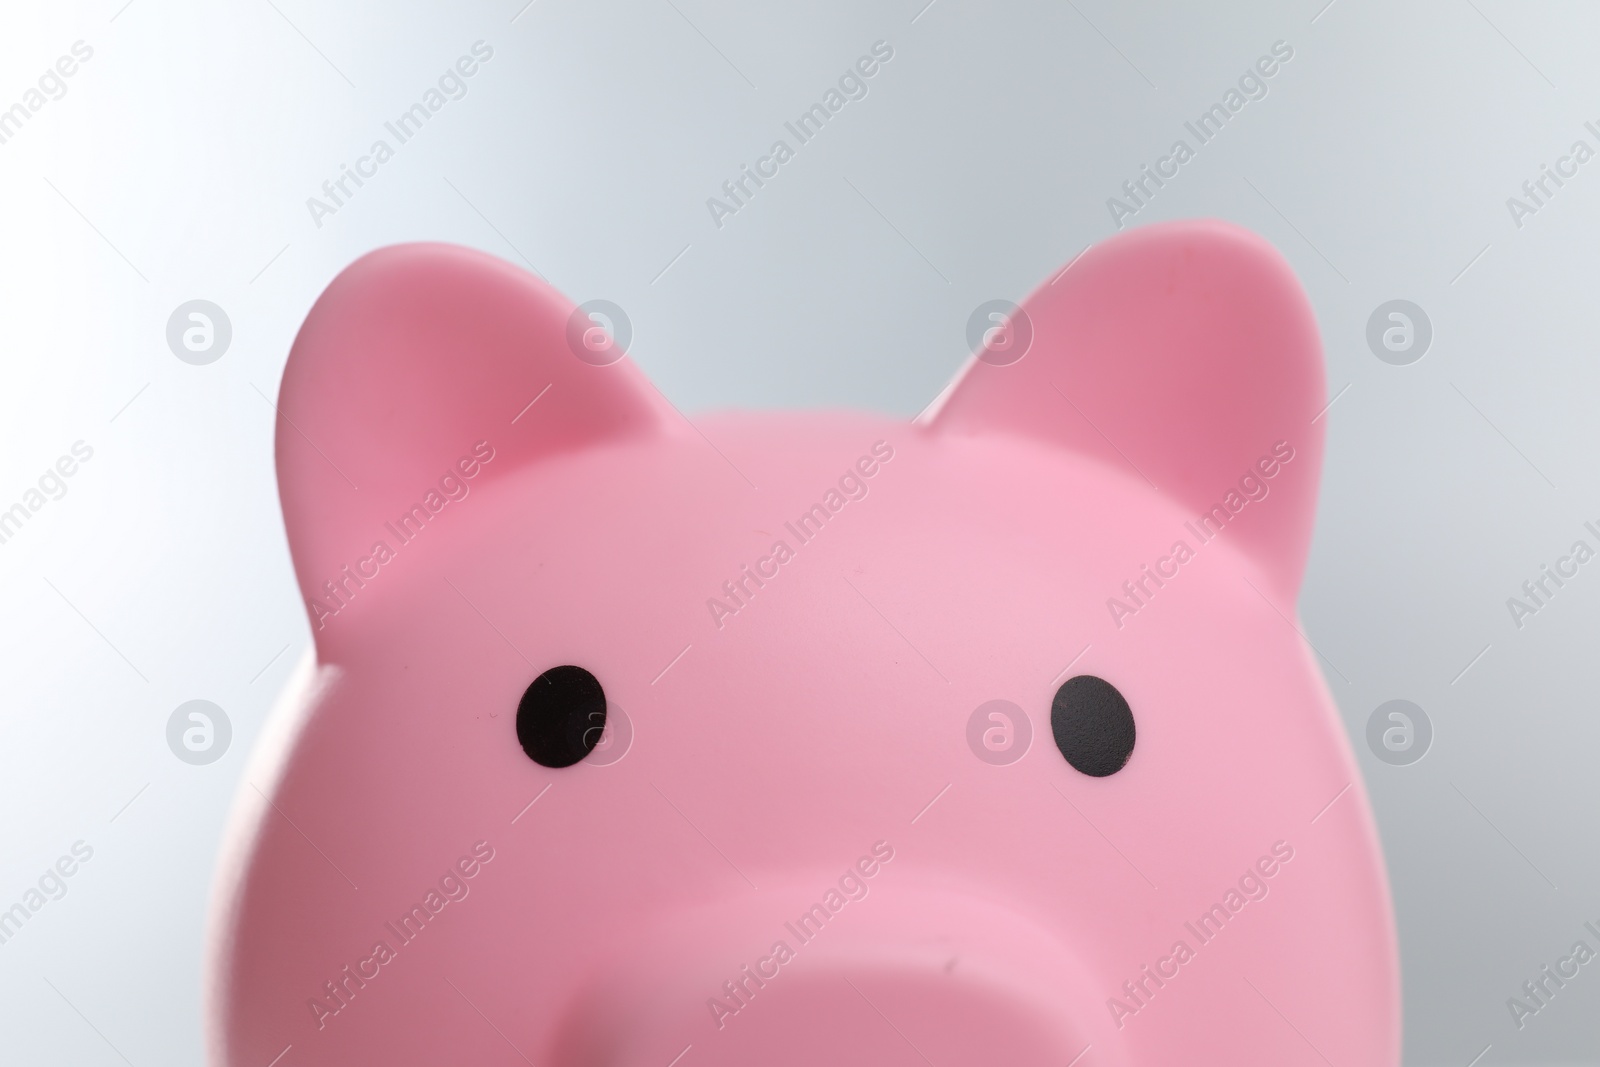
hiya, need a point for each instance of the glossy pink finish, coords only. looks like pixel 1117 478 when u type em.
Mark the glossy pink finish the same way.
pixel 807 743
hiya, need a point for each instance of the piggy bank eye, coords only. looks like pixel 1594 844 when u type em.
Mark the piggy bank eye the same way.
pixel 561 716
pixel 1093 725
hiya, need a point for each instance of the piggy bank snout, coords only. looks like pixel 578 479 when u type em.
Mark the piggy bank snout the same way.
pixel 888 979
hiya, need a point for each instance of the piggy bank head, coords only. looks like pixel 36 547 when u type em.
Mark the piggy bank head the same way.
pixel 805 737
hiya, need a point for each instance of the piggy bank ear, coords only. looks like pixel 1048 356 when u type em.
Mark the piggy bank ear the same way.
pixel 415 364
pixel 1182 354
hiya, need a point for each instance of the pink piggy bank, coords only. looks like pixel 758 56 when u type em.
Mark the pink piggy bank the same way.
pixel 800 738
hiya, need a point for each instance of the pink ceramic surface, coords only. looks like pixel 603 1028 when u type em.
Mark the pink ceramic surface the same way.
pixel 800 857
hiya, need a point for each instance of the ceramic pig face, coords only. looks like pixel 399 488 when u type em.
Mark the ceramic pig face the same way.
pixel 806 738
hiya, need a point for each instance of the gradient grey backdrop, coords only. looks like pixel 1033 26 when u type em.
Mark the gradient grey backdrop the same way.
pixel 177 166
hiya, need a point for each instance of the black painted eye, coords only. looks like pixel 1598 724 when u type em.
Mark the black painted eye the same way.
pixel 1093 725
pixel 561 716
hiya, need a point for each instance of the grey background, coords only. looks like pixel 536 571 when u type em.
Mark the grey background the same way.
pixel 177 167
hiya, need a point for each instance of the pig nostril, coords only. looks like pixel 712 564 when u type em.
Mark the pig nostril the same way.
pixel 1093 725
pixel 561 716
